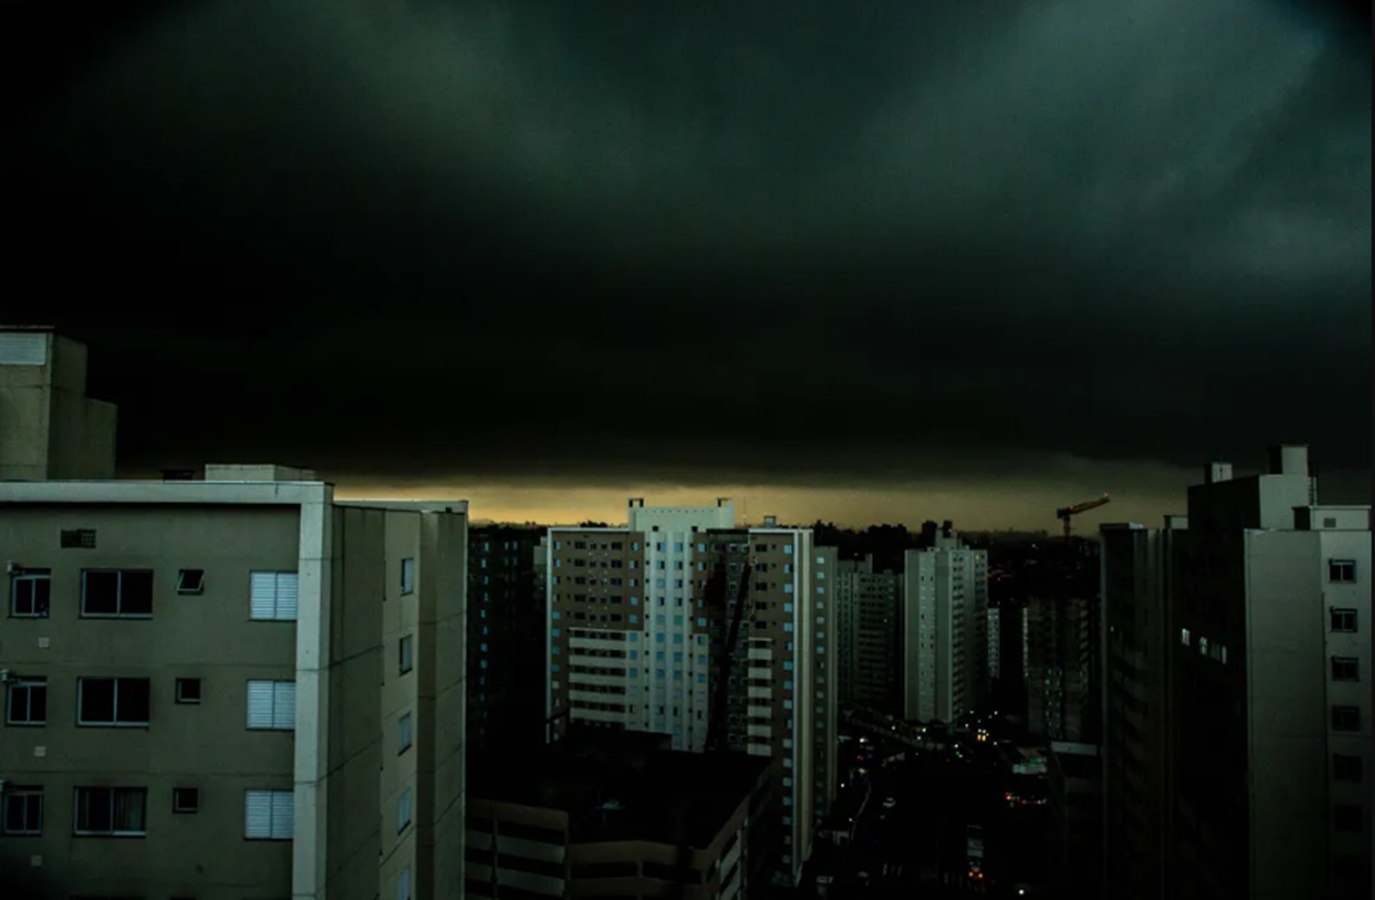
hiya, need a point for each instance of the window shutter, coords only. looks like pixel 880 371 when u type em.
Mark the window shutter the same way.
pixel 283 815
pixel 257 814
pixel 284 705
pixel 262 602
pixel 288 595
pixel 260 697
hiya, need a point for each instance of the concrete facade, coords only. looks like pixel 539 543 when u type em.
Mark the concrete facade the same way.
pixel 869 612
pixel 505 637
pixel 291 669
pixel 634 646
pixel 1137 636
pixel 944 627
pixel 597 822
pixel 49 428
pixel 1266 744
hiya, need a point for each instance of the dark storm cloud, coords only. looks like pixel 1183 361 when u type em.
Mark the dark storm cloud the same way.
pixel 1137 230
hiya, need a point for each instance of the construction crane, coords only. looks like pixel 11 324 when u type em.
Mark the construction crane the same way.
pixel 1065 512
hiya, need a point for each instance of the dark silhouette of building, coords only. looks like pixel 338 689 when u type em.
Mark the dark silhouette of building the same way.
pixel 506 627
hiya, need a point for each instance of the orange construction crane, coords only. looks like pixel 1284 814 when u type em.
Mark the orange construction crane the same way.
pixel 1065 512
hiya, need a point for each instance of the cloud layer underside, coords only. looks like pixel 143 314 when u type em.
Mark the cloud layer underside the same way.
pixel 1129 229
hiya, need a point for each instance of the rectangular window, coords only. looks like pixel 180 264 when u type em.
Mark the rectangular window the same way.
pixel 31 593
pixel 116 593
pixel 1346 718
pixel 23 811
pixel 1346 668
pixel 272 705
pixel 1342 619
pixel 1341 570
pixel 403 734
pixel 408 575
pixel 403 810
pixel 405 654
pixel 111 812
pixel 269 815
pixel 26 701
pixel 273 596
pixel 1346 817
pixel 186 800
pixel 191 581
pixel 1346 768
pixel 112 702
pixel 403 884
pixel 188 690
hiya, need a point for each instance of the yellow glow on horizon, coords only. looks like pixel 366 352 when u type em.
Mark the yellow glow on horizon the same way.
pixel 1020 507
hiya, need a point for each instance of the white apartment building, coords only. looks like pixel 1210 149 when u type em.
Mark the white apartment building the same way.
pixel 1269 683
pixel 944 644
pixel 634 644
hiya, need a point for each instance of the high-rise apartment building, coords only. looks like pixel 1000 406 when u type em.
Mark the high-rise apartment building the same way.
pixel 944 643
pixel 1063 703
pixel 505 637
pixel 1136 632
pixel 636 642
pixel 995 645
pixel 228 688
pixel 868 613
pixel 1266 698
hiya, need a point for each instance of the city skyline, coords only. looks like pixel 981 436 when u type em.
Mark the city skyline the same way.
pixel 481 246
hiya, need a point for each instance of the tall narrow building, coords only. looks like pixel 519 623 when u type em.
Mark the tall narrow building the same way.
pixel 869 610
pixel 505 638
pixel 944 624
pixel 1136 630
pixel 635 642
pixel 1063 703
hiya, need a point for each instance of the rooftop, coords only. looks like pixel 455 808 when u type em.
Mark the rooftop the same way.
pixel 625 786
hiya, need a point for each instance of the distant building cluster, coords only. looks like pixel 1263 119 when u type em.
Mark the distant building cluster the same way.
pixel 229 684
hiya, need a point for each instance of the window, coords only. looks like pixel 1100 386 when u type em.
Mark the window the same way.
pixel 272 705
pixel 26 701
pixel 23 811
pixel 77 539
pixel 188 690
pixel 269 815
pixel 186 800
pixel 403 734
pixel 408 575
pixel 403 810
pixel 1342 619
pixel 112 702
pixel 111 812
pixel 116 593
pixel 30 593
pixel 191 581
pixel 1341 570
pixel 1346 718
pixel 405 654
pixel 403 884
pixel 1346 668
pixel 1346 817
pixel 1346 768
pixel 273 596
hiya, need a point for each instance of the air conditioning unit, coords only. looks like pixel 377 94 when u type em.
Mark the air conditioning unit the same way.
pixel 4 676
pixel 13 568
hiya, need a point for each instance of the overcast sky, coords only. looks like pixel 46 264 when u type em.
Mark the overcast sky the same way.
pixel 867 259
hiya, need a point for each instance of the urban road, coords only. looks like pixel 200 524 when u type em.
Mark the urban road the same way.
pixel 913 795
